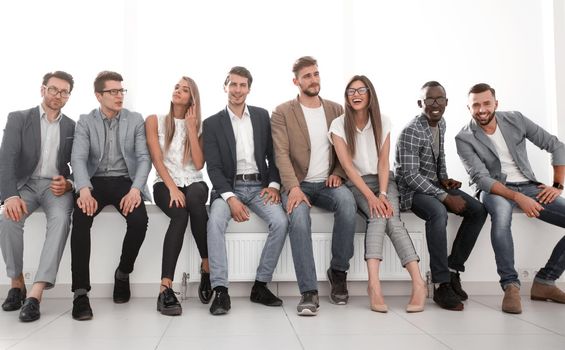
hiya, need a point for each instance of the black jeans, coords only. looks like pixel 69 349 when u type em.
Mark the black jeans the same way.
pixel 196 195
pixel 106 191
pixel 434 212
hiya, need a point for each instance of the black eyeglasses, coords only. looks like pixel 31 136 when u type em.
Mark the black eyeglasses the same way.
pixel 53 91
pixel 439 101
pixel 352 91
pixel 114 92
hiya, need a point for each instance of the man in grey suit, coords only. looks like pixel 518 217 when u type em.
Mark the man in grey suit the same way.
pixel 111 163
pixel 493 150
pixel 34 172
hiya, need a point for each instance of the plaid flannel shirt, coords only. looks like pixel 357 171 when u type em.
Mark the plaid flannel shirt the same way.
pixel 415 164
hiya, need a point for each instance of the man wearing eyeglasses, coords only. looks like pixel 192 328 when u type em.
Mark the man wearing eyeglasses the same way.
pixel 493 149
pixel 111 163
pixel 426 189
pixel 34 172
pixel 311 175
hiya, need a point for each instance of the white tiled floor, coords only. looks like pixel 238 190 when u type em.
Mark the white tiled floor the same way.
pixel 136 325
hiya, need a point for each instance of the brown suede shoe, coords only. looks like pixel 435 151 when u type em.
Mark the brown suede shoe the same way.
pixel 547 292
pixel 511 302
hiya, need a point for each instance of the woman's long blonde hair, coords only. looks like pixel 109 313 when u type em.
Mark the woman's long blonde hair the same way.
pixel 194 100
pixel 374 115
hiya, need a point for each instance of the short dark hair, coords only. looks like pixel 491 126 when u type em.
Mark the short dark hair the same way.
pixel 432 83
pixel 61 75
pixel 481 87
pixel 305 61
pixel 242 72
pixel 103 77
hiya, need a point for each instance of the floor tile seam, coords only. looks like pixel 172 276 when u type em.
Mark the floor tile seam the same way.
pixel 518 318
pixel 163 334
pixel 294 329
pixel 431 335
pixel 20 340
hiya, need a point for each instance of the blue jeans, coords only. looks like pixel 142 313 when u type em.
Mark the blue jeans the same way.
pixel 248 192
pixel 338 200
pixel 434 212
pixel 500 210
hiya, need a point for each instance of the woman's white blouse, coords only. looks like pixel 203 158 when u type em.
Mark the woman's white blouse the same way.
pixel 182 175
pixel 366 157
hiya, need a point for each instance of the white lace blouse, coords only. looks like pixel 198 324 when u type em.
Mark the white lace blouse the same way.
pixel 182 175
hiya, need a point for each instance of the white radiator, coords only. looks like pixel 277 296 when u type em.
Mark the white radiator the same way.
pixel 244 243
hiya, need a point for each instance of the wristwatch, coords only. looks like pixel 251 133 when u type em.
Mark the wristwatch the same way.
pixel 558 185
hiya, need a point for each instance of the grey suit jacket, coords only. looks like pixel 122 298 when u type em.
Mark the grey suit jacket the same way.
pixel 88 148
pixel 21 149
pixel 481 160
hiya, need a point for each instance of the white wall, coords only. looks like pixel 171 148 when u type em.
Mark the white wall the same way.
pixel 515 45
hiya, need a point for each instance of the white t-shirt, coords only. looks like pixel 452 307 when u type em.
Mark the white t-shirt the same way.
pixel 366 157
pixel 319 167
pixel 508 165
pixel 182 175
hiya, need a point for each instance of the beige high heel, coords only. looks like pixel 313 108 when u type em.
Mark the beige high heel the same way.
pixel 412 308
pixel 383 308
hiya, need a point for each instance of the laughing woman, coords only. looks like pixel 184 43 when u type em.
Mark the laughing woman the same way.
pixel 175 144
pixel 361 138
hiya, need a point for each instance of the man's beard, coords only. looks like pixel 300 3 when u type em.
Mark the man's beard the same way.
pixel 307 92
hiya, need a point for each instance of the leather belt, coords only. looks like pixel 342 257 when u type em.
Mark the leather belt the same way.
pixel 248 177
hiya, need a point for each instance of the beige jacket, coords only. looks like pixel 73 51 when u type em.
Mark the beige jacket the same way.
pixel 291 141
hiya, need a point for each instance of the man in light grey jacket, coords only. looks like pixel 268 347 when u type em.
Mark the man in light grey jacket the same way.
pixel 111 163
pixel 34 172
pixel 493 150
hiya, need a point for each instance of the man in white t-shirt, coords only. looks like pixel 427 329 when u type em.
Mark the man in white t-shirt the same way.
pixel 311 175
pixel 493 149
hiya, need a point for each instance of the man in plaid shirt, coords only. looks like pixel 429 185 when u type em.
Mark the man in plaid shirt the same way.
pixel 427 191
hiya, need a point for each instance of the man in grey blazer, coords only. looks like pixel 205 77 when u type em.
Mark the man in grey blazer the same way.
pixel 34 172
pixel 493 150
pixel 111 163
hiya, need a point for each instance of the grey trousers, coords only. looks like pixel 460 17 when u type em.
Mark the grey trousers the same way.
pixel 377 227
pixel 36 193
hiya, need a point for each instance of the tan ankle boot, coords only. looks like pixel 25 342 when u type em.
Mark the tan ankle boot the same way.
pixel 547 292
pixel 511 302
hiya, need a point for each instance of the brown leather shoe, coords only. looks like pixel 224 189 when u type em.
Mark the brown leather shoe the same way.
pixel 547 292
pixel 511 302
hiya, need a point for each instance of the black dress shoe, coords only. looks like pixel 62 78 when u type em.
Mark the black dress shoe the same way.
pixel 221 304
pixel 14 300
pixel 81 308
pixel 122 291
pixel 167 303
pixel 262 295
pixel 446 298
pixel 456 285
pixel 205 288
pixel 30 310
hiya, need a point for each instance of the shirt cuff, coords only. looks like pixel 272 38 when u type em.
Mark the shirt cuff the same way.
pixel 7 199
pixel 441 196
pixel 227 195
pixel 72 184
pixel 275 185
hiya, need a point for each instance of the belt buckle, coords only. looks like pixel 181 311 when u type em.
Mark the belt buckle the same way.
pixel 244 179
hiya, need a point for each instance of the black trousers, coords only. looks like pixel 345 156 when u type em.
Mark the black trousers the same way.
pixel 196 195
pixel 106 191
